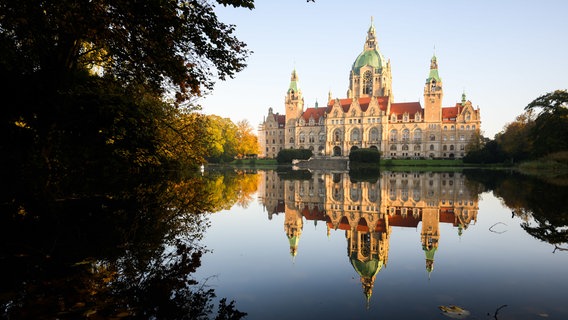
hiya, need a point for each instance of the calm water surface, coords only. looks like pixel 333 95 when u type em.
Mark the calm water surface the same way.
pixel 397 246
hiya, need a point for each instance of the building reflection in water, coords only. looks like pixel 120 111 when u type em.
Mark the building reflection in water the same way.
pixel 367 211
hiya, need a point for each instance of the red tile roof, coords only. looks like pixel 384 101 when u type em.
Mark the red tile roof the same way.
pixel 449 113
pixel 280 119
pixel 447 215
pixel 398 220
pixel 401 108
pixel 361 226
pixel 314 214
pixel 363 102
pixel 316 113
pixel 345 104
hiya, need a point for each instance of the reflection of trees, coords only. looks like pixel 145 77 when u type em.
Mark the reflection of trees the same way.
pixel 123 253
pixel 542 206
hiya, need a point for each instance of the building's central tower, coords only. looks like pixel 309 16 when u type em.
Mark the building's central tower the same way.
pixel 371 73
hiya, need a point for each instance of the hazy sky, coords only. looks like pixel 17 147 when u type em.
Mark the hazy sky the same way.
pixel 502 53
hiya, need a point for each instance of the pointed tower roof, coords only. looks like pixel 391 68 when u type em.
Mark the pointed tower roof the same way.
pixel 367 270
pixel 433 70
pixel 370 55
pixel 293 81
pixel 294 245
pixel 429 252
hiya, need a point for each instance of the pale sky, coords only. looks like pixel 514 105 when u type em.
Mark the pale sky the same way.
pixel 502 53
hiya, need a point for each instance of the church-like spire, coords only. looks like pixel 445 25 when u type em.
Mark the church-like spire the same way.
pixel 433 75
pixel 371 41
pixel 293 82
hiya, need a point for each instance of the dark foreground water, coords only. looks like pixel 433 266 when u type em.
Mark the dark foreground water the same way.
pixel 288 245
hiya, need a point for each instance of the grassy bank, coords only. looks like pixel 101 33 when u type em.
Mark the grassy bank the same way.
pixel 553 168
pixel 255 163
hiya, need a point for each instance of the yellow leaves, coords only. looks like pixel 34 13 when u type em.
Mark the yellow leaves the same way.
pixel 454 312
pixel 21 124
pixel 22 211
pixel 93 58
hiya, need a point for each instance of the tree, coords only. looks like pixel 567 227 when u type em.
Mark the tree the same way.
pixel 551 125
pixel 146 42
pixel 87 80
pixel 185 140
pixel 515 139
pixel 247 140
pixel 223 133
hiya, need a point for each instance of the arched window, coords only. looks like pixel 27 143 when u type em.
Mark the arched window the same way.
pixel 291 139
pixel 405 135
pixel 405 147
pixel 444 148
pixel 368 83
pixel 417 117
pixel 374 134
pixel 452 147
pixel 416 147
pixel 337 193
pixel 311 137
pixel 432 137
pixel 337 135
pixel 322 137
pixel 393 135
pixel 417 135
pixel 432 147
pixel 302 137
pixel 393 147
pixel 354 193
pixel 355 135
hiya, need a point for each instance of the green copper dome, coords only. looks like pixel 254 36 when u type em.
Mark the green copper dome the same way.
pixel 368 58
pixel 368 268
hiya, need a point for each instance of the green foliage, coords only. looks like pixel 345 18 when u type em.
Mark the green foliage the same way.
pixel 151 43
pixel 529 137
pixel 229 140
pixel 365 155
pixel 288 174
pixel 364 174
pixel 287 155
pixel 86 82
pixel 516 141
pixel 490 153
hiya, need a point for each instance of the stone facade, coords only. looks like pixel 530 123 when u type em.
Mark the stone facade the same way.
pixel 369 117
pixel 366 211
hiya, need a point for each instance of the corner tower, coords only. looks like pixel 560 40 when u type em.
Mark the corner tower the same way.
pixel 433 94
pixel 370 74
pixel 294 102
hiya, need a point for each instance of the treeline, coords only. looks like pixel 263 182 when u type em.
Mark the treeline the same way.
pixel 195 138
pixel 541 130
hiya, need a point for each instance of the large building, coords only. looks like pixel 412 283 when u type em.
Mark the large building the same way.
pixel 369 117
pixel 366 211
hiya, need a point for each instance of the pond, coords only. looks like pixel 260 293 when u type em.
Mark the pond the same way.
pixel 287 244
pixel 395 247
